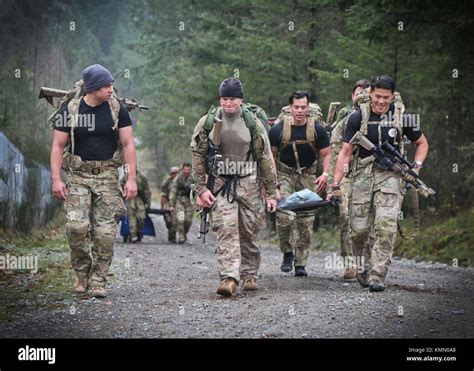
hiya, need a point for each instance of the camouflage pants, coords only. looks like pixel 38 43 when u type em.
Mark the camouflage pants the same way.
pixel 237 225
pixel 344 219
pixel 170 221
pixel 376 198
pixel 184 217
pixel 93 206
pixel 295 234
pixel 136 213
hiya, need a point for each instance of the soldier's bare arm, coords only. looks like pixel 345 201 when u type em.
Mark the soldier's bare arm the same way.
pixel 321 181
pixel 126 138
pixel 60 140
pixel 342 161
pixel 421 148
pixel 336 145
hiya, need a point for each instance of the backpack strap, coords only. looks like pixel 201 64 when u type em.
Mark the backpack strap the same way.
pixel 398 120
pixel 114 104
pixel 211 114
pixel 73 110
pixel 285 141
pixel 115 111
pixel 365 112
pixel 310 133
pixel 249 118
pixel 286 133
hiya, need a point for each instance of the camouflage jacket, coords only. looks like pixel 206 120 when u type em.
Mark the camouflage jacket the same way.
pixel 336 138
pixel 260 152
pixel 180 189
pixel 166 187
pixel 143 189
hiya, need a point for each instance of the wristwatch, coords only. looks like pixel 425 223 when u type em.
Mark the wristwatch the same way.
pixel 418 164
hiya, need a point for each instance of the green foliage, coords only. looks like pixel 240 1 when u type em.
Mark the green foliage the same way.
pixel 320 46
pixel 442 240
pixel 48 43
pixel 173 55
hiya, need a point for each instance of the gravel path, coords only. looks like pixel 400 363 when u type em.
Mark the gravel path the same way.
pixel 162 290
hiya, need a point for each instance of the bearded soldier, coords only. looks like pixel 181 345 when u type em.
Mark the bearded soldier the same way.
pixel 237 201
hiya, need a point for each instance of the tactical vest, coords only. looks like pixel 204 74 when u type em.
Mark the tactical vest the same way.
pixel 250 113
pixel 183 190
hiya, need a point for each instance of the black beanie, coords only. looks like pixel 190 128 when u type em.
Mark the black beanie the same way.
pixel 95 77
pixel 231 87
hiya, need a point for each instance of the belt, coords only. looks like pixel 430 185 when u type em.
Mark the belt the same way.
pixel 285 169
pixel 95 167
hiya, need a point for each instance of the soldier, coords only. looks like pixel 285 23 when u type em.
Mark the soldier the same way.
pixel 92 192
pixel 336 145
pixel 376 194
pixel 170 219
pixel 296 140
pixel 136 207
pixel 180 202
pixel 238 207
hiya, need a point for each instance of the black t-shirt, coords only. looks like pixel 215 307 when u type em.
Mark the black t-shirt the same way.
pixel 410 128
pixel 305 152
pixel 94 137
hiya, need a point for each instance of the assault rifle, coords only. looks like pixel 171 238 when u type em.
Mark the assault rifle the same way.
pixel 387 157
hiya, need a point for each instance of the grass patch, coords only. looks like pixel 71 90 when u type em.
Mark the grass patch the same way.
pixel 441 240
pixel 51 285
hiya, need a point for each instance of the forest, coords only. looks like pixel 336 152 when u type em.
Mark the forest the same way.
pixel 173 55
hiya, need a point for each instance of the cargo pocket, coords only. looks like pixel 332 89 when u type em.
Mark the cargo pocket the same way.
pixel 361 200
pixel 77 203
pixel 388 197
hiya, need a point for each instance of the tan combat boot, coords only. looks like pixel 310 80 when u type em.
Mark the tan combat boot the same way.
pixel 350 274
pixel 98 292
pixel 250 284
pixel 80 286
pixel 227 287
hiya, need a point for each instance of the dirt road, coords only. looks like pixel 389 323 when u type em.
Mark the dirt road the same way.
pixel 163 290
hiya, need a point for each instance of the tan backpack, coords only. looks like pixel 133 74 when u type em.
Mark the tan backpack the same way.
pixel 363 101
pixel 314 115
pixel 73 99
